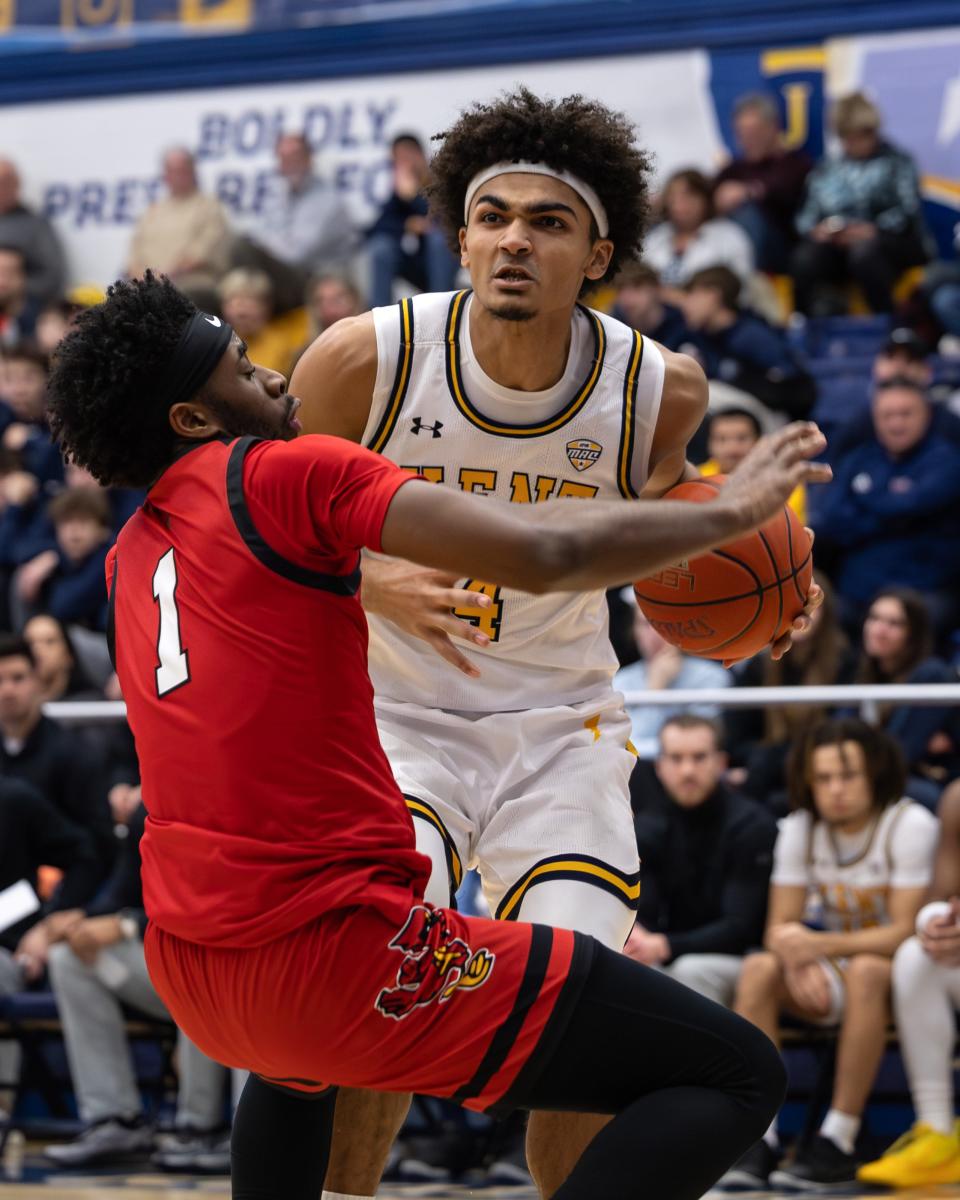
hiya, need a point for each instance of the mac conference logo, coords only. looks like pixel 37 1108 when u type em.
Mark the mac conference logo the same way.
pixel 583 453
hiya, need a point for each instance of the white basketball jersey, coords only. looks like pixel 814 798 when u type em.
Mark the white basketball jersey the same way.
pixel 849 883
pixel 436 412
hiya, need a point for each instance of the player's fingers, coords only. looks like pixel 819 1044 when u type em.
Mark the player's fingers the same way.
pixel 453 627
pixel 462 598
pixel 446 649
pixel 780 646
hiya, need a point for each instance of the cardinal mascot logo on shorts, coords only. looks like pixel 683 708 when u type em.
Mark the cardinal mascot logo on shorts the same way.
pixel 435 964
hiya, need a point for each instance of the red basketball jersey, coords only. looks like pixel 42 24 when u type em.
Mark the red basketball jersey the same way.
pixel 241 645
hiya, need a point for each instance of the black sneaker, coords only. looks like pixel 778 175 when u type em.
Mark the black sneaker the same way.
pixel 821 1166
pixel 752 1170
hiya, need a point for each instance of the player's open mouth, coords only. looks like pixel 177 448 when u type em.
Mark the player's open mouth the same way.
pixel 292 419
pixel 513 277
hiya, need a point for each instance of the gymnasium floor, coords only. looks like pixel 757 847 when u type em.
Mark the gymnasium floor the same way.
pixel 162 1187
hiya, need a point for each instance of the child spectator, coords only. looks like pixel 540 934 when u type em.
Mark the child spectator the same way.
pixel 730 435
pixel 23 389
pixel 851 866
pixel 69 582
pixel 741 348
pixel 640 305
pixel 18 313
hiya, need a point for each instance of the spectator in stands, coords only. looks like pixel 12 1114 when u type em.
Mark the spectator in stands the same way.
pixel 691 236
pixel 731 432
pixel 185 234
pixel 34 833
pixel 54 321
pixel 97 966
pixel 68 582
pixel 926 994
pixel 52 759
pixel 246 300
pixel 304 229
pixel 25 529
pixel 898 648
pixel 941 286
pixel 59 671
pixel 891 512
pixel 18 313
pixel 760 739
pixel 706 854
pixel 761 190
pixel 23 427
pixel 640 305
pixel 404 242
pixel 32 234
pixel 851 866
pixel 861 217
pixel 741 348
pixel 904 355
pixel 330 299
pixel 662 666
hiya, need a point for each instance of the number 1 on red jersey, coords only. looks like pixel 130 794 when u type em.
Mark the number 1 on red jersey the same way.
pixel 173 670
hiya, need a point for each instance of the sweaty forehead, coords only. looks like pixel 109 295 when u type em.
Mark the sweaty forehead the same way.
pixel 519 189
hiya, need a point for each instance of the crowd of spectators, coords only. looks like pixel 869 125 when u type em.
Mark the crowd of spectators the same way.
pixel 737 272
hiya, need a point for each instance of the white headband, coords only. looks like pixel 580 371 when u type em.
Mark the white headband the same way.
pixel 583 190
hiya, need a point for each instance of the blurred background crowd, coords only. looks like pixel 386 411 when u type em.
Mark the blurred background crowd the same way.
pixel 804 289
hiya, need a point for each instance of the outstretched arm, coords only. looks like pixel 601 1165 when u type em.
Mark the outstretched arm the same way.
pixel 560 547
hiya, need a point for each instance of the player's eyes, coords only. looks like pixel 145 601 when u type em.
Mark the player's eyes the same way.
pixel 489 218
pixel 552 222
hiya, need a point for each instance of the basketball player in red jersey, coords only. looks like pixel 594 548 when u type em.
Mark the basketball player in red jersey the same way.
pixel 516 390
pixel 288 932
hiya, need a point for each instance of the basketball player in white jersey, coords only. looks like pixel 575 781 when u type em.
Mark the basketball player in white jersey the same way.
pixel 518 761
pixel 851 866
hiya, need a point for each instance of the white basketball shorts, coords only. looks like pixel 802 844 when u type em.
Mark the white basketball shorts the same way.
pixel 538 801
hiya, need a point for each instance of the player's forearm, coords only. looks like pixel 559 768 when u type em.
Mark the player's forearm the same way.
pixel 881 939
pixel 601 544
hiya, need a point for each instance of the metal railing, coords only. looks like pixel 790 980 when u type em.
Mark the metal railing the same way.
pixel 867 697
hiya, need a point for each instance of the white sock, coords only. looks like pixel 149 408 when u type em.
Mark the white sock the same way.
pixel 925 997
pixel 771 1137
pixel 841 1129
pixel 342 1196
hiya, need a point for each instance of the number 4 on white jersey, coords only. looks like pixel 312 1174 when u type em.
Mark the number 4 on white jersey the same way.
pixel 174 670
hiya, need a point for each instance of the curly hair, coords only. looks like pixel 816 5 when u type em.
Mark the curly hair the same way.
pixel 102 406
pixel 882 755
pixel 572 134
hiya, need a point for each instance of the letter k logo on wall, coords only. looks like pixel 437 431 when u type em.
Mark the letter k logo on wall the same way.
pixel 419 425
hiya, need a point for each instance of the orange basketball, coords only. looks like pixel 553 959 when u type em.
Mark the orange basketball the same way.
pixel 737 599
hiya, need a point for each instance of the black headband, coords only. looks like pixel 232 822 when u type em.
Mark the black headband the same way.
pixel 202 344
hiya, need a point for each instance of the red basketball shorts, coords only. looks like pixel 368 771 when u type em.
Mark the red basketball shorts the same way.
pixel 429 1001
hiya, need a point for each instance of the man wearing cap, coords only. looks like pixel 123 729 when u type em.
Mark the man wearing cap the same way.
pixel 513 754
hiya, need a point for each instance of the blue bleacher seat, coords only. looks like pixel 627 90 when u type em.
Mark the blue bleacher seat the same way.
pixel 845 337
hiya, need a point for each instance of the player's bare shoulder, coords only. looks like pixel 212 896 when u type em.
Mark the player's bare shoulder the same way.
pixel 335 378
pixel 685 391
pixel 682 408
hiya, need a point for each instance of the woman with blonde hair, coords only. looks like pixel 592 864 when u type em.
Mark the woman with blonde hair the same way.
pixel 861 218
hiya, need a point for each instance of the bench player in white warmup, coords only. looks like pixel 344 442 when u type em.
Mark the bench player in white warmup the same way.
pixel 517 762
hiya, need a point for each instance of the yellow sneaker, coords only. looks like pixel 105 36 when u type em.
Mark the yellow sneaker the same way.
pixel 922 1157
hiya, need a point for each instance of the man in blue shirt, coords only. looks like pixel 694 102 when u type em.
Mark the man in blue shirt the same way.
pixel 892 511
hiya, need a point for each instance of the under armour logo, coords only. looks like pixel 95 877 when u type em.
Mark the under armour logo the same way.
pixel 214 321
pixel 418 424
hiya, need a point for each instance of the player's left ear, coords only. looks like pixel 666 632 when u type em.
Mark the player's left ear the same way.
pixel 193 421
pixel 599 259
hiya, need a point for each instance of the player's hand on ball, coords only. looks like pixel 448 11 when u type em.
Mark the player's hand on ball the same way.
pixel 776 465
pixel 804 621
pixel 421 601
